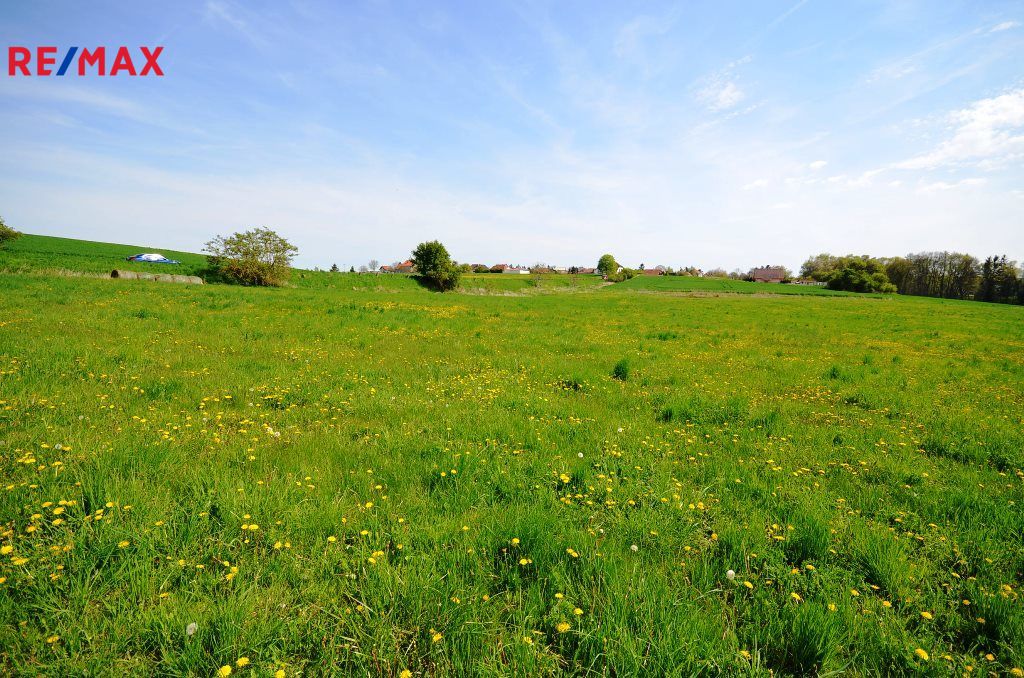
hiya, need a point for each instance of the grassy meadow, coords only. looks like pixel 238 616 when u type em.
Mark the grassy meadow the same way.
pixel 355 475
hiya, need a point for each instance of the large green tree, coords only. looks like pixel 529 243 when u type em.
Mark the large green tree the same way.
pixel 607 265
pixel 435 265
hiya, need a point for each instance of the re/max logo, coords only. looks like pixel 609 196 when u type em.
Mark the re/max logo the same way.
pixel 19 61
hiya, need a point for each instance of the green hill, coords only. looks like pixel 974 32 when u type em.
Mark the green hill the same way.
pixel 680 283
pixel 43 253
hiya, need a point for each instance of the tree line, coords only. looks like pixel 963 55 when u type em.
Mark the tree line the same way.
pixel 949 275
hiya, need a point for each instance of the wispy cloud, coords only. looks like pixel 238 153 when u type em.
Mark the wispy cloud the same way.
pixel 989 130
pixel 1004 26
pixel 223 13
pixel 720 91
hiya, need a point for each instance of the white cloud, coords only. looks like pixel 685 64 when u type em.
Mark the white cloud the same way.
pixel 817 165
pixel 756 183
pixel 720 91
pixel 925 187
pixel 721 96
pixel 1005 26
pixel 988 130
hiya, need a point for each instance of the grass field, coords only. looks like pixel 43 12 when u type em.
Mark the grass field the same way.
pixel 357 476
pixel 686 284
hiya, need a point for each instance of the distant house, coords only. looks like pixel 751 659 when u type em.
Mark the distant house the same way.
pixel 652 271
pixel 768 274
pixel 499 268
pixel 587 271
pixel 405 267
pixel 516 270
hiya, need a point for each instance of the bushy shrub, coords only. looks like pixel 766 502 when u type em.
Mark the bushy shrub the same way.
pixel 621 370
pixel 257 257
pixel 7 234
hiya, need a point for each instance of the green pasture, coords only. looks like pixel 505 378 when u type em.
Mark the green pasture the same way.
pixel 357 476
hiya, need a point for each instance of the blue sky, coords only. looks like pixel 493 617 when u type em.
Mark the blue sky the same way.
pixel 724 134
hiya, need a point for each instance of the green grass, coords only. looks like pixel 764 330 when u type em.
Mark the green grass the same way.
pixel 687 284
pixel 358 476
pixel 41 254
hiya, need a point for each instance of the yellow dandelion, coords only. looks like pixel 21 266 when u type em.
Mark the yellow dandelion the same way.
pixel 437 637
pixel 224 670
pixel 922 654
pixel 926 615
pixel 123 544
pixel 562 627
pixel 242 661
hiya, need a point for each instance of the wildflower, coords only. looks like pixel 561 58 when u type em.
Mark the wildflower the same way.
pixel 577 611
pixel 562 627
pixel 224 670
pixel 280 673
pixel 748 584
pixel 123 544
pixel 436 638
pixel 745 654
pixel 854 592
pixel 831 607
pixel 332 539
pixel 634 548
pixel 926 615
pixel 730 575
pixel 528 640
pixel 242 661
pixel 515 541
pixel 52 639
pixel 406 673
pixel 191 629
pixel 795 596
pixel 922 654
pixel 4 550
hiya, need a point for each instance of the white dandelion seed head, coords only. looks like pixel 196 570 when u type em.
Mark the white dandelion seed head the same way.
pixel 634 548
pixel 730 575
pixel 191 629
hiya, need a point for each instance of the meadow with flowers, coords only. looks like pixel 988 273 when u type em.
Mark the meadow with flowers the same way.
pixel 355 475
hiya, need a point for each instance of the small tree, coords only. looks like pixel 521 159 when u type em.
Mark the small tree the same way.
pixel 435 265
pixel 7 234
pixel 607 265
pixel 256 257
pixel 374 265
pixel 334 268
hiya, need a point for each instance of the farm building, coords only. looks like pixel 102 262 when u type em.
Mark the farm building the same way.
pixel 768 274
pixel 404 267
